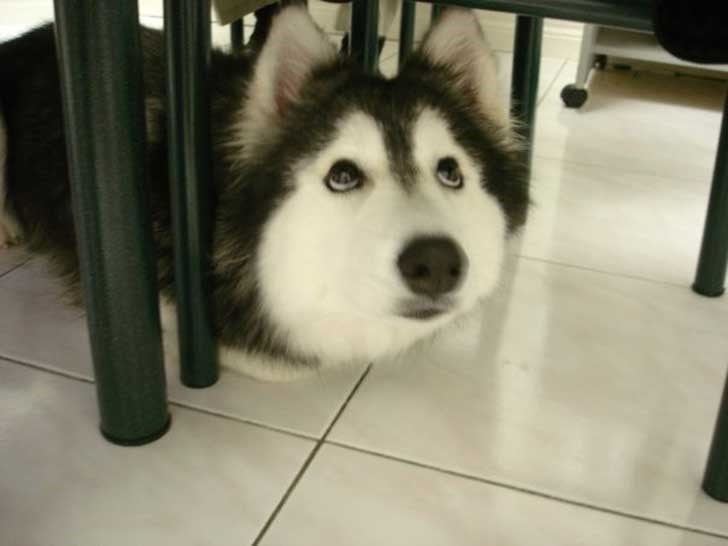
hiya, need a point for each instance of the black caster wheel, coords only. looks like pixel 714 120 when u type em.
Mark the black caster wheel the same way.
pixel 600 62
pixel 573 97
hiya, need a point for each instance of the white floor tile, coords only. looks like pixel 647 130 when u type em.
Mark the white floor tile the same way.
pixel 352 498
pixel 578 384
pixel 642 225
pixel 305 407
pixel 27 13
pixel 390 49
pixel 550 68
pixel 389 67
pixel 635 121
pixel 208 481
pixel 11 258
pixel 37 327
pixel 389 59
pixel 152 7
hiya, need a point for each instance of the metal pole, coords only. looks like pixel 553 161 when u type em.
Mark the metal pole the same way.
pixel 715 482
pixel 187 36
pixel 524 82
pixel 101 74
pixel 407 30
pixel 364 33
pixel 710 276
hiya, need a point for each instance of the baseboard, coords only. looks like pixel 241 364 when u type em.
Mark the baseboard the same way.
pixel 560 38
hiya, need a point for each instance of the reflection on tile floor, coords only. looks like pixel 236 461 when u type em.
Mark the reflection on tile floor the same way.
pixel 208 481
pixel 635 122
pixel 575 409
pixel 348 497
pixel 572 383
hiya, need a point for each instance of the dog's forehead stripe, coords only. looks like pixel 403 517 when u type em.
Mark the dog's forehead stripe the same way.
pixel 406 136
pixel 398 141
pixel 373 138
pixel 397 121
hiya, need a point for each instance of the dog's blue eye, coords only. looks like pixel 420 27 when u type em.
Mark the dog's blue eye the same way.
pixel 449 174
pixel 343 176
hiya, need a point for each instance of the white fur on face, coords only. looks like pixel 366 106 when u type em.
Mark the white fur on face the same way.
pixel 327 263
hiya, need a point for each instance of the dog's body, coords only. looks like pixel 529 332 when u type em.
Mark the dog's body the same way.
pixel 353 215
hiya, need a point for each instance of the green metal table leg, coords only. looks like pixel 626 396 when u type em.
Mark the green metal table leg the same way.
pixel 101 73
pixel 710 277
pixel 524 82
pixel 715 482
pixel 406 30
pixel 237 35
pixel 364 38
pixel 187 35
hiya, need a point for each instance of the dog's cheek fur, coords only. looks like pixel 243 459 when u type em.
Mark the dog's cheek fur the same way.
pixel 312 265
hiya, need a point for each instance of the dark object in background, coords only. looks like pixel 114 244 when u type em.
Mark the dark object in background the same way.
pixel 695 31
pixel 263 18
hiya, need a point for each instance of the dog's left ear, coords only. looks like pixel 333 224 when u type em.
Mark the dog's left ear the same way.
pixel 294 48
pixel 456 42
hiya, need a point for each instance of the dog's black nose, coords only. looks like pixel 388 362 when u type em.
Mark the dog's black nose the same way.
pixel 432 266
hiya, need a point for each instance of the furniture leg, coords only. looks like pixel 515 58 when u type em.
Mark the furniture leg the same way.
pixel 101 75
pixel 187 37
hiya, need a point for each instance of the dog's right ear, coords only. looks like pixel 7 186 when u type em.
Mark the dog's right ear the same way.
pixel 457 43
pixel 294 48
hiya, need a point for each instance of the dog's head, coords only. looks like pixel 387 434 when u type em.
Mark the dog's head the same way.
pixel 381 206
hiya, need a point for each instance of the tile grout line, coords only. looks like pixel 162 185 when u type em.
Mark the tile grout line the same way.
pixel 550 86
pixel 619 170
pixel 16 266
pixel 602 271
pixel 47 369
pixel 230 417
pixel 309 460
pixel 324 440
pixel 527 491
pixel 176 403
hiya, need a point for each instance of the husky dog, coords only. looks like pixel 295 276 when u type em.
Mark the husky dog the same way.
pixel 353 215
